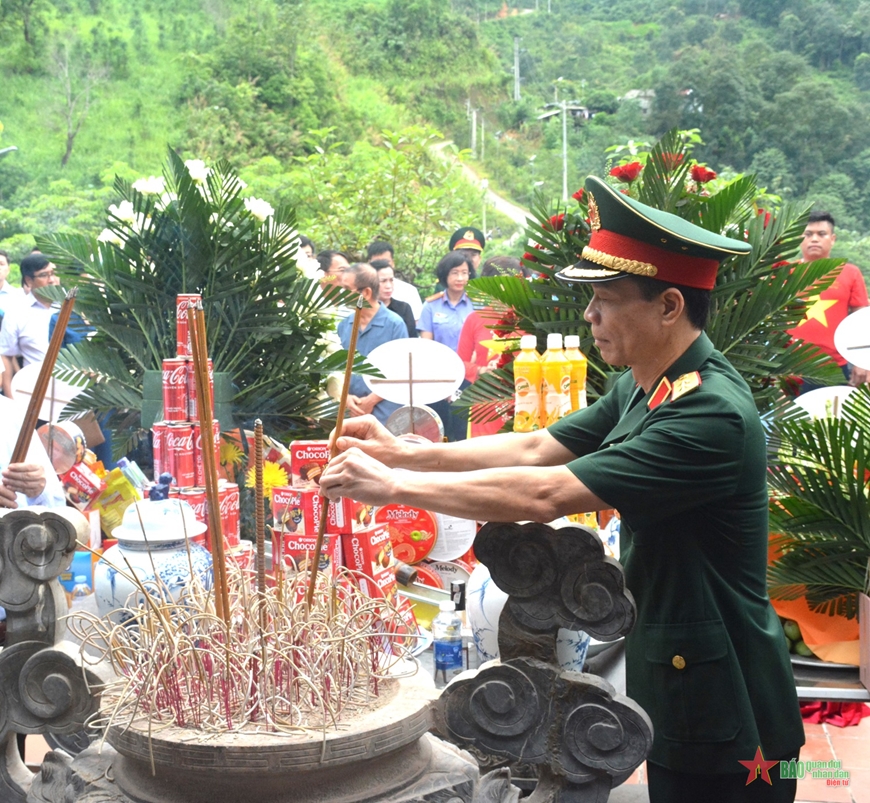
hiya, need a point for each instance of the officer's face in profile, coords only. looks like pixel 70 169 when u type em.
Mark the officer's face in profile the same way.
pixel 626 327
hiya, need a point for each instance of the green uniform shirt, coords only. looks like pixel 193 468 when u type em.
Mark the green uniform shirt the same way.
pixel 707 657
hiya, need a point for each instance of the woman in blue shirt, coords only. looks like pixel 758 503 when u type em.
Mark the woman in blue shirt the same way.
pixel 441 320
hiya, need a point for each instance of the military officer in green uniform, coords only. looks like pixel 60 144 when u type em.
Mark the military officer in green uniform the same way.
pixel 677 447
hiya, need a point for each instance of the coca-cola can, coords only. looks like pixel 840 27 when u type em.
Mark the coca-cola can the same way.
pixel 196 498
pixel 158 449
pixel 182 330
pixel 199 462
pixel 179 445
pixel 175 389
pixel 230 512
pixel 174 492
pixel 192 406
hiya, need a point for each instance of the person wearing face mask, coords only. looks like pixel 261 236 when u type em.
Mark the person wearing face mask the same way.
pixel 26 322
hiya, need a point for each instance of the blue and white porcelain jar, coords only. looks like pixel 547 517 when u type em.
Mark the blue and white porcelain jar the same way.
pixel 484 601
pixel 154 548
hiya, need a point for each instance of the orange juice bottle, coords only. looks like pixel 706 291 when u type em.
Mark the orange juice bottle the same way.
pixel 578 371
pixel 527 386
pixel 556 389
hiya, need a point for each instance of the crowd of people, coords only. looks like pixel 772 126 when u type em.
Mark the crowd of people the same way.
pixel 394 310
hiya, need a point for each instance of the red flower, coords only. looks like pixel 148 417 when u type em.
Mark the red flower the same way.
pixel 671 161
pixel 781 264
pixel 702 174
pixel 578 196
pixel 557 223
pixel 527 257
pixel 766 216
pixel 628 172
pixel 504 358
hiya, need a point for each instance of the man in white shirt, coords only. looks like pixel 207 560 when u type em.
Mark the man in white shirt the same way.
pixel 26 323
pixel 8 293
pixel 402 291
pixel 33 482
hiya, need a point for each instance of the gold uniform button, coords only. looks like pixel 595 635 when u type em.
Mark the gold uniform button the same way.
pixel 679 662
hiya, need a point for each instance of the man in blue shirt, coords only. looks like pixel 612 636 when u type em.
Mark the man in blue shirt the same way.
pixel 377 326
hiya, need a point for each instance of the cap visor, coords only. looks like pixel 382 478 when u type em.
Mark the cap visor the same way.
pixel 585 272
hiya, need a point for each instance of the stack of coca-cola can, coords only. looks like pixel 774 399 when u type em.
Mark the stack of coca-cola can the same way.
pixel 177 440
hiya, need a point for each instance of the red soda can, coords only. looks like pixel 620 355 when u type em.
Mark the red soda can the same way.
pixel 158 449
pixel 182 331
pixel 230 513
pixel 198 465
pixel 175 389
pixel 195 497
pixel 174 492
pixel 179 444
pixel 192 406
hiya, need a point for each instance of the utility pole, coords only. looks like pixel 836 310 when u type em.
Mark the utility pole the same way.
pixel 516 68
pixel 564 151
pixel 474 133
pixel 482 136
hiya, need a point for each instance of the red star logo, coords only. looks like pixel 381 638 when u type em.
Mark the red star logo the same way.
pixel 758 766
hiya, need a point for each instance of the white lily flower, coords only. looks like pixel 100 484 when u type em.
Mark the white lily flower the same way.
pixel 153 185
pixel 309 266
pixel 197 169
pixel 259 208
pixel 109 236
pixel 166 199
pixel 123 211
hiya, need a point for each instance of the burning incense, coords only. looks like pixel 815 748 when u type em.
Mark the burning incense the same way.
pixel 339 423
pixel 199 347
pixel 25 434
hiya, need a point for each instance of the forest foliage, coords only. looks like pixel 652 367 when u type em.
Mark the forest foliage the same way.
pixel 335 91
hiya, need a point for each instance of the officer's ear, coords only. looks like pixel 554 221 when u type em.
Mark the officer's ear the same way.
pixel 673 305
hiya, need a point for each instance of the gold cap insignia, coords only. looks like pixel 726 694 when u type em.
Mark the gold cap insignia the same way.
pixel 469 235
pixel 594 219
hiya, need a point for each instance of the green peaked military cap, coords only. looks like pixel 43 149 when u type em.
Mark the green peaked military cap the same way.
pixel 631 238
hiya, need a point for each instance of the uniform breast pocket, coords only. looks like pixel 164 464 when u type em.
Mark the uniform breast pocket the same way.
pixel 692 681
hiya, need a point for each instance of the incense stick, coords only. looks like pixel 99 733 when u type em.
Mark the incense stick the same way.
pixel 260 522
pixel 339 423
pixel 199 347
pixel 25 434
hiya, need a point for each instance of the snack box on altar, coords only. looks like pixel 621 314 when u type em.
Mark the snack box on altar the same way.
pixel 307 461
pixel 81 485
pixel 369 552
pixel 297 549
pixel 299 509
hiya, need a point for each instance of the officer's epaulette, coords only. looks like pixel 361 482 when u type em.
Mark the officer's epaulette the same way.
pixel 680 387
pixel 436 296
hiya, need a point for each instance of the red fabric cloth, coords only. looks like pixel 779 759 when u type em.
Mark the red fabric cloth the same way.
pixel 840 714
pixel 847 292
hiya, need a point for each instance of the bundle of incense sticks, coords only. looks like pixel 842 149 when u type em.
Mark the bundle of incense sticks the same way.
pixel 25 434
pixel 339 423
pixel 199 347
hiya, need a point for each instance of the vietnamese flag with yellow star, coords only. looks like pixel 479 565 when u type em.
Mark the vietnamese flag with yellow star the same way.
pixel 826 310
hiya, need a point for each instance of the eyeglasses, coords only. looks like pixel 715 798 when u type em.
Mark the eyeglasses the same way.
pixel 44 274
pixel 456 275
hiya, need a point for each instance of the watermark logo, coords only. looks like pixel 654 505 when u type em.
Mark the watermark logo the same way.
pixel 759 768
pixel 831 772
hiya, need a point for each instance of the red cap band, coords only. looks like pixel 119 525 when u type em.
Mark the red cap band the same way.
pixel 670 266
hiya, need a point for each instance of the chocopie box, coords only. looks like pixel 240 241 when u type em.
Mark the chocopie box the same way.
pixel 369 552
pixel 81 486
pixel 307 461
pixel 287 513
pixel 298 549
pixel 342 516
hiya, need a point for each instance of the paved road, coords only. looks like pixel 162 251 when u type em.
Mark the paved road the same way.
pixel 496 201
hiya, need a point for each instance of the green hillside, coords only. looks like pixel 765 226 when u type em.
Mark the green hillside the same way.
pixel 328 105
